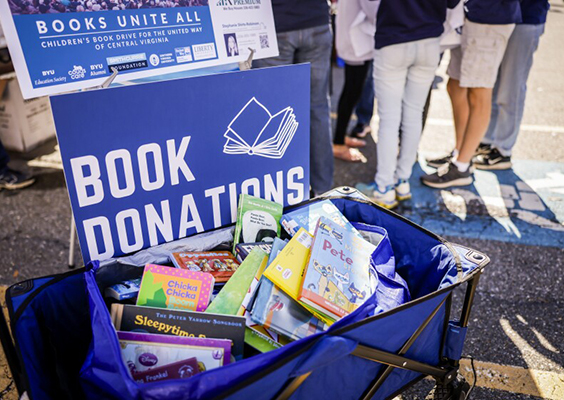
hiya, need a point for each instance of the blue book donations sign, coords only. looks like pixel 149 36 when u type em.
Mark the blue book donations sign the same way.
pixel 58 46
pixel 151 163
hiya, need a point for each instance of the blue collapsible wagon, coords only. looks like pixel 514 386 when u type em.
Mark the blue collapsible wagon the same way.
pixel 65 347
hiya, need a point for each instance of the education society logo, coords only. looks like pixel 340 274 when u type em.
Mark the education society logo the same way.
pixel 255 131
pixel 77 72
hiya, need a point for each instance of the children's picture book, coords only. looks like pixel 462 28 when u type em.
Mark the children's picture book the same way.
pixel 254 130
pixel 258 220
pixel 230 298
pixel 178 370
pixel 338 277
pixel 130 318
pixel 306 217
pixel 277 247
pixel 286 270
pixel 275 310
pixel 167 287
pixel 143 351
pixel 221 264
pixel 242 250
pixel 124 290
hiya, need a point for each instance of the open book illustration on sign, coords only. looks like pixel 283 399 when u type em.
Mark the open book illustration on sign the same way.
pixel 255 131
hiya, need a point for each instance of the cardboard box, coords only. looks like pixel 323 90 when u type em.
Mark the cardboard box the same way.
pixel 24 124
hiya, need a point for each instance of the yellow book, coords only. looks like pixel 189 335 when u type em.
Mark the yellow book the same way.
pixel 287 269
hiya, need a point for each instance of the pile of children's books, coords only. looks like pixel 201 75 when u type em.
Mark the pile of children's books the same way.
pixel 208 309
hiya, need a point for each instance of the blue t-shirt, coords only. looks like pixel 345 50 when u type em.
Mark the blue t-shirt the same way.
pixel 534 11
pixel 291 15
pixel 402 21
pixel 493 12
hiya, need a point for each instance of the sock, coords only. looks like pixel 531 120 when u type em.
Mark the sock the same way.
pixel 454 154
pixel 462 166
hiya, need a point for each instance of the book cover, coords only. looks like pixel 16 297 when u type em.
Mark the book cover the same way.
pixel 143 351
pixel 221 264
pixel 275 310
pixel 167 287
pixel 286 270
pixel 124 290
pixel 258 220
pixel 338 277
pixel 254 130
pixel 130 318
pixel 277 247
pixel 242 250
pixel 229 299
pixel 307 217
pixel 178 370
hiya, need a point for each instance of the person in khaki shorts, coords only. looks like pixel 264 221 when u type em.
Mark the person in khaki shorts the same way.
pixel 473 71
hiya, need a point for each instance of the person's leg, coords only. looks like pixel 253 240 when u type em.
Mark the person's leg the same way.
pixel 419 80
pixel 483 48
pixel 390 74
pixel 365 107
pixel 287 47
pixel 355 75
pixel 489 137
pixel 512 83
pixel 460 109
pixel 315 47
pixel 4 158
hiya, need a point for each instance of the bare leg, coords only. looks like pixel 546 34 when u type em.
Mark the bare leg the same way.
pixel 480 101
pixel 460 109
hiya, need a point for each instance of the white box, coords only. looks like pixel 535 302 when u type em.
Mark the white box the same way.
pixel 24 124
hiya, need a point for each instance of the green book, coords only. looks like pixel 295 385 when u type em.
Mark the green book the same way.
pixel 231 296
pixel 258 220
pixel 259 341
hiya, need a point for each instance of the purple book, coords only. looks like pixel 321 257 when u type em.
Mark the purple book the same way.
pixel 178 370
pixel 143 351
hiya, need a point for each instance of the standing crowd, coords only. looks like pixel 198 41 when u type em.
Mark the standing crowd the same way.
pixel 391 50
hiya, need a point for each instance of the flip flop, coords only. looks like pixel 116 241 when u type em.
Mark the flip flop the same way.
pixel 347 154
pixel 354 142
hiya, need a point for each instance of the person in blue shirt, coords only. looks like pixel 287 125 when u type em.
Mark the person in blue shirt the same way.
pixel 304 35
pixel 406 57
pixel 510 89
pixel 473 71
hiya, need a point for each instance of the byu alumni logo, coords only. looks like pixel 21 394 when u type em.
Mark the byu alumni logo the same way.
pixel 255 131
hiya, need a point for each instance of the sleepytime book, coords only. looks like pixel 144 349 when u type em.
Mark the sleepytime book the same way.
pixel 130 318
pixel 338 277
pixel 167 287
pixel 254 130
pixel 258 220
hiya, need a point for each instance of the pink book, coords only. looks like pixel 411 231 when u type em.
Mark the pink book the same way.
pixel 168 287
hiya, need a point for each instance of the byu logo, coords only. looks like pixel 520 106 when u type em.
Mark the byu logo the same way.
pixel 255 131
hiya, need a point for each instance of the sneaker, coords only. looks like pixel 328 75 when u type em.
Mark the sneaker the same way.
pixel 483 148
pixel 12 180
pixel 492 160
pixel 437 162
pixel 403 191
pixel 447 176
pixel 385 198
pixel 361 131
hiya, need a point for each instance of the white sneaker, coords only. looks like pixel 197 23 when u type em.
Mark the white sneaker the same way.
pixel 385 198
pixel 403 190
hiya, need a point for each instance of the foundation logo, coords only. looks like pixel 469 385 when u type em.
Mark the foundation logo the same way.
pixel 77 72
pixel 255 131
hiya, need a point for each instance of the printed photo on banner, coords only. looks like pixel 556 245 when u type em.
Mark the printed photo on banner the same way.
pixel 62 45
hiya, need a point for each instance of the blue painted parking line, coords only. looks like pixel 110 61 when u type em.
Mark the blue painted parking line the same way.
pixel 523 205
